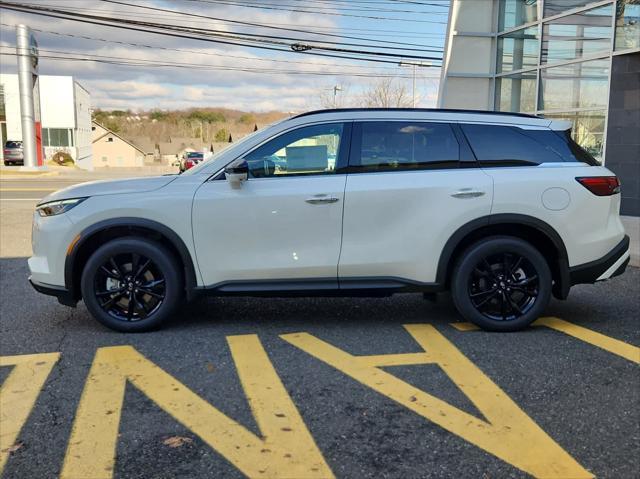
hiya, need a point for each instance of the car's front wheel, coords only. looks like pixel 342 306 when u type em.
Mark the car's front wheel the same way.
pixel 131 284
pixel 501 284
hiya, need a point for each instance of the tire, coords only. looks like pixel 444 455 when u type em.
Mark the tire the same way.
pixel 109 281
pixel 7 163
pixel 501 283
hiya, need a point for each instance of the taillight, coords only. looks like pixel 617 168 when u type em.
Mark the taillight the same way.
pixel 600 185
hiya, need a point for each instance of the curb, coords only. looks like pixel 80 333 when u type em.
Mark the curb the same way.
pixel 26 174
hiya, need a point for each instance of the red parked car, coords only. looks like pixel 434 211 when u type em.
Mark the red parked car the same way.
pixel 190 159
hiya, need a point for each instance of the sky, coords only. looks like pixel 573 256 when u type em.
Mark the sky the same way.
pixel 173 73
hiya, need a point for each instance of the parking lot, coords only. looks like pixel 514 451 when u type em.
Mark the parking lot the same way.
pixel 320 387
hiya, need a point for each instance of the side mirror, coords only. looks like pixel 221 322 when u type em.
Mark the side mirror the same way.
pixel 236 173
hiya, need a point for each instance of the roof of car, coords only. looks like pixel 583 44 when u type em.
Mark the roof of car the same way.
pixel 416 110
pixel 523 120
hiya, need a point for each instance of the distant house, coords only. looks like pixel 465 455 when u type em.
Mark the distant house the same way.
pixel 169 152
pixel 110 149
pixel 191 144
pixel 148 146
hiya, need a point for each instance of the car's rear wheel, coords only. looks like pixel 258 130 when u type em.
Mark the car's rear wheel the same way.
pixel 501 284
pixel 131 284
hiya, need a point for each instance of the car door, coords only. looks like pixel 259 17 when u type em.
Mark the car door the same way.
pixel 282 228
pixel 410 187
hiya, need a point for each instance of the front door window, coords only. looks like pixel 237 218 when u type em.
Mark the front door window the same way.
pixel 311 150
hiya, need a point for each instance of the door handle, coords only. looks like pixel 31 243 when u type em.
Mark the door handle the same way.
pixel 321 199
pixel 467 193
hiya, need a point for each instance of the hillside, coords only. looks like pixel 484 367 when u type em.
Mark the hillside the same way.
pixel 209 124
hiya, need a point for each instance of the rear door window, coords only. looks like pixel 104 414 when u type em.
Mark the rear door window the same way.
pixel 497 145
pixel 397 146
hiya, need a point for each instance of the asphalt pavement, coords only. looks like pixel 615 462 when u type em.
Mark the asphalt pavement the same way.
pixel 231 388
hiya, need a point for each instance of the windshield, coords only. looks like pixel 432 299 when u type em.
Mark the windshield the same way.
pixel 13 144
pixel 195 155
pixel 203 164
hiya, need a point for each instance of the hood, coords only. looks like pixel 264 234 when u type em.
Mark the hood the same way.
pixel 111 187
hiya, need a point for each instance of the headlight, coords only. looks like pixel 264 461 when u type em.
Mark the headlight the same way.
pixel 54 208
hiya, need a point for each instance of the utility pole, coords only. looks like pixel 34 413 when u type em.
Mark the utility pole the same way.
pixel 415 65
pixel 27 53
pixel 336 89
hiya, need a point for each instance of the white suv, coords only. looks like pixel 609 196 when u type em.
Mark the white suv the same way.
pixel 501 209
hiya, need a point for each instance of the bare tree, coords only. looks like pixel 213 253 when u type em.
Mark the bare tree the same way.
pixel 387 93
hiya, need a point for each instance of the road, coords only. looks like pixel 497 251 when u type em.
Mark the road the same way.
pixel 393 387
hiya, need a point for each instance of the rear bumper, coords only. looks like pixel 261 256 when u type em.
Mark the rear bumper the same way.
pixel 64 295
pixel 612 264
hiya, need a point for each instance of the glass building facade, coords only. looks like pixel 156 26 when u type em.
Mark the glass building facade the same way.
pixel 554 58
pixel 574 60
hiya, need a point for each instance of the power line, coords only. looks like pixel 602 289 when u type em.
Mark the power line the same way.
pixel 141 62
pixel 261 25
pixel 314 4
pixel 219 37
pixel 141 45
pixel 298 10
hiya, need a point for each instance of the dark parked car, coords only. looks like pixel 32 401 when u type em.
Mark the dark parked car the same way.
pixel 190 159
pixel 13 153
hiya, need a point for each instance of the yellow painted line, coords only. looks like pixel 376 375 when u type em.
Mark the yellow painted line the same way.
pixel 614 346
pixel 18 395
pixel 508 433
pixel 465 326
pixel 285 450
pixel 27 189
pixel 394 359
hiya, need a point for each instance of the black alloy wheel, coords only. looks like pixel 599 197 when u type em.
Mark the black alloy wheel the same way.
pixel 501 283
pixel 129 287
pixel 504 286
pixel 132 284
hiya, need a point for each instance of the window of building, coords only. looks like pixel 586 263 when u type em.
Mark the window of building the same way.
pixel 516 92
pixel 627 24
pixel 57 137
pixel 577 85
pixel 576 36
pixel 512 13
pixel 310 150
pixel 393 146
pixel 555 7
pixel 587 129
pixel 511 146
pixel 518 50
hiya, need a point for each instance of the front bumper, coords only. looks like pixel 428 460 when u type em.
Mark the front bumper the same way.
pixel 64 295
pixel 612 264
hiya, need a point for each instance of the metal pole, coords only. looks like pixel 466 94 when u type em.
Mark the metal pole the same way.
pixel 413 94
pixel 25 82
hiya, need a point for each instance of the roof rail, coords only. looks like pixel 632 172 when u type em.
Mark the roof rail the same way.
pixel 442 110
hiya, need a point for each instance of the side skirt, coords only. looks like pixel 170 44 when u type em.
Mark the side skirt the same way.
pixel 321 287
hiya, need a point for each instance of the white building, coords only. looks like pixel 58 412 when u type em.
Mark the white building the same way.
pixel 65 116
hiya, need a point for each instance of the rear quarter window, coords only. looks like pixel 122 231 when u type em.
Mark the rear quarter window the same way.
pixel 497 145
